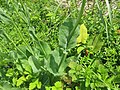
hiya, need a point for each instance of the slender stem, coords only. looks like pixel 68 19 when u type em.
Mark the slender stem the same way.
pixel 109 12
pixel 62 60
pixel 100 79
pixel 5 34
pixel 4 47
pixel 106 26
pixel 103 20
pixel 100 11
pixel 78 19
pixel 20 34
pixel 18 30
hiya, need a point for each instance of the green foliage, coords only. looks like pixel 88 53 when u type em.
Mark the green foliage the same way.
pixel 83 34
pixel 45 45
pixel 65 40
pixel 35 84
pixel 96 43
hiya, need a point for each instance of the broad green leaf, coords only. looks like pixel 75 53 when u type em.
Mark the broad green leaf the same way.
pixel 92 85
pixel 72 71
pixel 52 64
pixel 32 64
pixel 54 88
pixel 28 77
pixel 59 88
pixel 32 33
pixel 17 88
pixel 97 43
pixel 13 55
pixel 69 89
pixel 99 76
pixel 79 49
pixel 67 38
pixel 57 56
pixel 5 86
pixel 58 84
pixel 14 80
pixel 10 72
pixel 51 14
pixel 32 86
pixel 55 64
pixel 20 52
pixel 37 62
pixel 39 84
pixel 62 67
pixel 26 66
pixel 72 64
pixel 74 78
pixel 83 34
pixel 18 67
pixel 44 48
pixel 48 88
pixel 90 41
pixel 20 80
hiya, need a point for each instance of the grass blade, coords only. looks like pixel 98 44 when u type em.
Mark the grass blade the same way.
pixel 109 12
pixel 103 20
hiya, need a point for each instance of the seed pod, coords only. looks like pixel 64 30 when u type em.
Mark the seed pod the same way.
pixel 86 52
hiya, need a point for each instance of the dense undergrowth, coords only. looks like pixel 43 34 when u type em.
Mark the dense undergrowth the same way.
pixel 55 45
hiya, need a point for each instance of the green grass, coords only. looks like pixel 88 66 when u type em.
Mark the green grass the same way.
pixel 38 48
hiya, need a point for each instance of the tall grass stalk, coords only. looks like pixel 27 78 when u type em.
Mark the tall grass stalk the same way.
pixel 103 20
pixel 109 12
pixel 9 39
pixel 18 30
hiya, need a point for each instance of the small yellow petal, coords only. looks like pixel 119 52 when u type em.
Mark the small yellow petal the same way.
pixel 83 34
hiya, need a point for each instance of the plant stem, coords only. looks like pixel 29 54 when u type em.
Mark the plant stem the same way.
pixel 78 19
pixel 103 20
pixel 109 12
pixel 73 30
pixel 62 60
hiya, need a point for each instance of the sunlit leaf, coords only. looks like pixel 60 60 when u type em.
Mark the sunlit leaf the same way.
pixel 83 34
pixel 79 49
pixel 14 80
pixel 39 84
pixel 54 88
pixel 20 80
pixel 58 84
pixel 32 86
pixel 10 72
pixel 72 64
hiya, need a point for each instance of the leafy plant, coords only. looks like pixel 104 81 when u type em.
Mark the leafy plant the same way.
pixel 44 46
